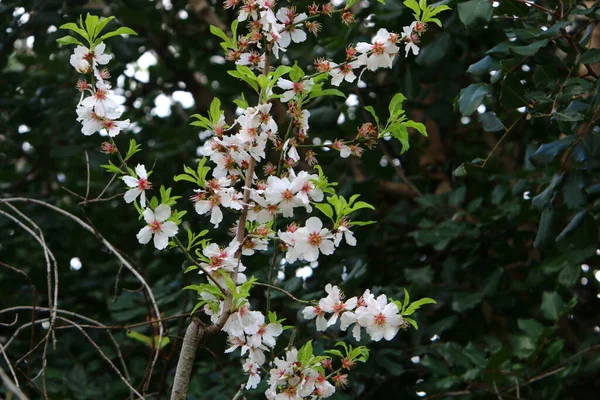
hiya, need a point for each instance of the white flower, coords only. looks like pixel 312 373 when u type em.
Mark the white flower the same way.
pixel 102 104
pixel 407 36
pixel 139 185
pixel 341 73
pixel 381 319
pixel 253 371
pixel 293 88
pixel 82 56
pixel 313 239
pixel 157 226
pixel 382 50
pixel 333 303
pixel 244 321
pixel 311 312
pixel 267 335
pixel 346 233
pixel 290 21
pixel 114 127
pixel 91 121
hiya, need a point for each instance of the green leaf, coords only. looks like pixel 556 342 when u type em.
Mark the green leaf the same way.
pixel 325 209
pixel 552 306
pixel 531 327
pixel 395 107
pixel 219 32
pixel 591 56
pixel 91 21
pixel 215 110
pixel 102 24
pixel 73 27
pixel 490 122
pixel 68 40
pixel 416 125
pixel 372 112
pixel 412 322
pixel 484 66
pixel 545 233
pixel 548 152
pixel 471 97
pixel 417 304
pixel 305 353
pixel 530 49
pixel 575 222
pixel 475 12
pixel 121 31
pixel 110 167
pixel 413 5
pixel 568 116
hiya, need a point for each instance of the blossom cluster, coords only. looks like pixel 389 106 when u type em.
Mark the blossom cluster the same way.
pixel 291 379
pixel 98 111
pixel 380 318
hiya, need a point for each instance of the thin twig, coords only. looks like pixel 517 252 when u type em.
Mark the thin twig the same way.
pixel 11 386
pixel 84 333
pixel 87 164
pixel 111 248
pixel 291 296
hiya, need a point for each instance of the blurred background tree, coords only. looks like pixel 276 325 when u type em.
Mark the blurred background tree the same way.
pixel 494 214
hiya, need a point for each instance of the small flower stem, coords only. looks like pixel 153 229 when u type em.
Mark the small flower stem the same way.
pixel 191 259
pixel 288 294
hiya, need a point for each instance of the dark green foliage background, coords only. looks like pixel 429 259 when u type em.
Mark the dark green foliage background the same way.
pixel 500 247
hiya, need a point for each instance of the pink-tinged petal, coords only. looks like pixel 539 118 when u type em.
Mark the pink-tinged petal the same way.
pixel 363 47
pixel 283 84
pixel 327 247
pixel 144 235
pixel 350 304
pixel 287 96
pixel 332 320
pixel 309 312
pixel 274 330
pixel 161 240
pixel 130 181
pixel 216 216
pixel 140 171
pixel 298 36
pixel 314 224
pixel 99 49
pixel 103 59
pixel 321 323
pixel 202 207
pixel 356 332
pixel 131 195
pixel 390 310
pixel 389 332
pixel 170 228
pixel 148 215
pixel 162 212
pixel 89 101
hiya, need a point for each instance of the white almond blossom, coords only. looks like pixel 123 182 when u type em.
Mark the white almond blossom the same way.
pixel 312 239
pixel 82 56
pixel 293 88
pixel 139 185
pixel 291 32
pixel 380 318
pixel 407 37
pixel 157 226
pixel 100 100
pixel 380 52
pixel 333 303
